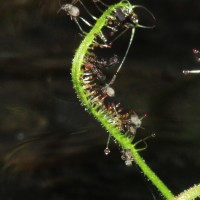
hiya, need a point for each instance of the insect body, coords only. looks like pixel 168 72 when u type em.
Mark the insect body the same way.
pixel 74 13
pixel 71 10
pixel 127 157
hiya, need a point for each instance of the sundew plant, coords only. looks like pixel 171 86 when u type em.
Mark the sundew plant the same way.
pixel 96 93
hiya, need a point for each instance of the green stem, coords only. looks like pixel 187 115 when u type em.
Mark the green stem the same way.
pixel 151 175
pixel 189 194
pixel 101 114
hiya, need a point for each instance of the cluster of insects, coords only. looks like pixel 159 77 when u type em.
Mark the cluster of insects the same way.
pixel 95 87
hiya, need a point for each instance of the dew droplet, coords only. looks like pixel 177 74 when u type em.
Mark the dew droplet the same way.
pixel 106 151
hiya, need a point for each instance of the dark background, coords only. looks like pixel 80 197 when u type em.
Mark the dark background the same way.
pixel 50 148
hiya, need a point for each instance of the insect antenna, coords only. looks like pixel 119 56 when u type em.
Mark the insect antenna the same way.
pixel 127 50
pixel 60 7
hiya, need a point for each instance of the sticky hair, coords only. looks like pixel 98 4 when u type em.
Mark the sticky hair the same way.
pixel 100 114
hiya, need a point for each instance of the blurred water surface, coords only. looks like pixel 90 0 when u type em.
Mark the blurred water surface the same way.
pixel 51 148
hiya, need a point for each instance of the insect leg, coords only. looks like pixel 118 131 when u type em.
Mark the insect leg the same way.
pixel 101 35
pixel 95 1
pixel 76 21
pixel 86 22
pixel 60 7
pixel 98 7
pixel 127 50
pixel 89 13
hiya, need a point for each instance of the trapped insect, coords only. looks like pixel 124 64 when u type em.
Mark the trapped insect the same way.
pixel 93 88
pixel 71 10
pixel 74 12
